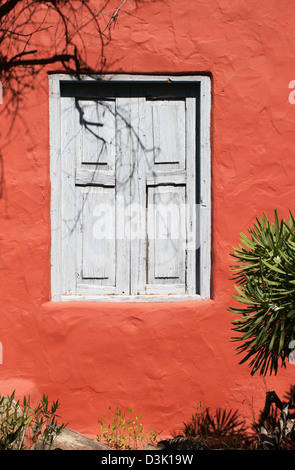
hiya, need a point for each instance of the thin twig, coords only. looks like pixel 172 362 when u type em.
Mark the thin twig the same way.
pixel 114 16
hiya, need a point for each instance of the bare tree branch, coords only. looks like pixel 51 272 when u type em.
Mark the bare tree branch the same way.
pixel 37 33
pixel 7 7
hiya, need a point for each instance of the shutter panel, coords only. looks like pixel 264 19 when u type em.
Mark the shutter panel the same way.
pixel 166 235
pixel 166 124
pixel 94 137
pixel 171 195
pixel 95 194
pixel 96 250
pixel 98 131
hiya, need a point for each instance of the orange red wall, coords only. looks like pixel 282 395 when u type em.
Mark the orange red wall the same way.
pixel 160 358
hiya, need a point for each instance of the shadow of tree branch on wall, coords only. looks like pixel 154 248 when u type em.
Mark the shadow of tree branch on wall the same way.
pixel 38 35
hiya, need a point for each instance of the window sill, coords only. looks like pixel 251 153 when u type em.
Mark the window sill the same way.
pixel 129 298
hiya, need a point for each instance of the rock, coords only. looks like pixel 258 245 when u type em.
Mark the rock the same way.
pixel 71 440
pixel 180 443
pixel 151 447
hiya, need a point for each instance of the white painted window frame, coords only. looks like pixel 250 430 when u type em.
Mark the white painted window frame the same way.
pixel 205 185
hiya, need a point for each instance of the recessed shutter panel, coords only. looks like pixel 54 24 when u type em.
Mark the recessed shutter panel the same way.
pixel 166 127
pixel 166 236
pixel 96 243
pixel 97 118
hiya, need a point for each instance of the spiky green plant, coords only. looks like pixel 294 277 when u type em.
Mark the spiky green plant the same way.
pixel 264 275
pixel 21 425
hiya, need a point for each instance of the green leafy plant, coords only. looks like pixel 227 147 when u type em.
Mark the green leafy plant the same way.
pixel 264 276
pixel 124 430
pixel 21 425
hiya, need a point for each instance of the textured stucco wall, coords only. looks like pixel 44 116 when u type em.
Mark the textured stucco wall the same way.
pixel 160 358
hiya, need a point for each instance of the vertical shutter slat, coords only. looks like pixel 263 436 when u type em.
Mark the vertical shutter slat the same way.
pixel 192 208
pixel 138 197
pixel 123 165
pixel 70 214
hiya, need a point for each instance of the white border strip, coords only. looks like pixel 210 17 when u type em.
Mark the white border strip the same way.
pixel 205 183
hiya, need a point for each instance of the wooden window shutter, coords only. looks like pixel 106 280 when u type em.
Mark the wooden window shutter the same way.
pixel 130 206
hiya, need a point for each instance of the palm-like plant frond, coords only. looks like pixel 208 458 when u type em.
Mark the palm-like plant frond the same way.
pixel 264 275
